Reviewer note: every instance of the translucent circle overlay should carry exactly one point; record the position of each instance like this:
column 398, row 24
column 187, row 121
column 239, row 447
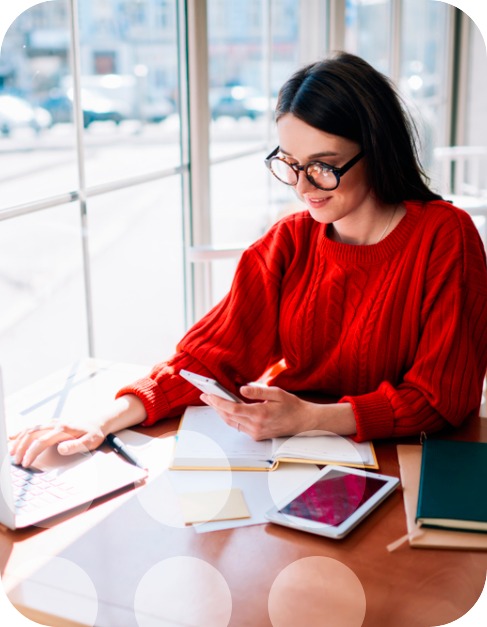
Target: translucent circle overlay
column 51, row 581
column 288, row 478
column 281, row 487
column 349, row 449
column 329, row 595
column 90, row 475
column 161, row 497
column 183, row 591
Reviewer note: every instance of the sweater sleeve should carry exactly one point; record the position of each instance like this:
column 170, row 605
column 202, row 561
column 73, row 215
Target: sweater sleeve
column 235, row 342
column 444, row 383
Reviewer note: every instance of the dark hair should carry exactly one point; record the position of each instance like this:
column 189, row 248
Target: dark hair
column 344, row 95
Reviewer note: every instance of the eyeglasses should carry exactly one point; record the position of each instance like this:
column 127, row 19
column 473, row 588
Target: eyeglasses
column 320, row 174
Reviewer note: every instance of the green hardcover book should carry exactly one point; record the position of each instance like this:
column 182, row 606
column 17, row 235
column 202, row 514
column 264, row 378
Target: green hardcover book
column 453, row 485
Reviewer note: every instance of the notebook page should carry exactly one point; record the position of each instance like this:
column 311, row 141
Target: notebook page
column 333, row 448
column 213, row 433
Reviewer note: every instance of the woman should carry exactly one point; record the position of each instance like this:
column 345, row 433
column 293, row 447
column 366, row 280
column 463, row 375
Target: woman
column 374, row 297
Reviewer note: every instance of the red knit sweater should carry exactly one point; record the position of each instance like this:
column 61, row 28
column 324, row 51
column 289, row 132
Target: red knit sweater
column 398, row 328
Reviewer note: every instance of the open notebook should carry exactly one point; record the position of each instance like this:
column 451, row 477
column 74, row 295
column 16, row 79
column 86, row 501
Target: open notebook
column 205, row 441
column 56, row 483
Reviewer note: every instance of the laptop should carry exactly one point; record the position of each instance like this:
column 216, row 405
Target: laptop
column 56, row 484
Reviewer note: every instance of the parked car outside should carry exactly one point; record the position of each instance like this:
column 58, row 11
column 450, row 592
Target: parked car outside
column 156, row 109
column 99, row 108
column 238, row 101
column 96, row 108
column 59, row 106
column 16, row 112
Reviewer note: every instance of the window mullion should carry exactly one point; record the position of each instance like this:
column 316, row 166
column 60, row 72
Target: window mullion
column 199, row 232
column 78, row 119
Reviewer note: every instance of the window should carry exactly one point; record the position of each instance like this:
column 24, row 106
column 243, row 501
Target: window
column 104, row 198
column 92, row 200
column 242, row 94
column 425, row 69
column 367, row 31
column 409, row 40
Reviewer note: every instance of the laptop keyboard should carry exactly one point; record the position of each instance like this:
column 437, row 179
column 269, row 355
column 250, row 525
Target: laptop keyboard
column 36, row 488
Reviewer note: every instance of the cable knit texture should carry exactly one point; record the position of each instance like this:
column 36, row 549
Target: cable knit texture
column 398, row 329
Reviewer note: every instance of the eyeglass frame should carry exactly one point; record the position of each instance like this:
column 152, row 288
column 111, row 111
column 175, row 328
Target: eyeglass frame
column 338, row 172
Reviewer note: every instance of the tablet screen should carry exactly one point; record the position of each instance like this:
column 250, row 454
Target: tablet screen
column 333, row 498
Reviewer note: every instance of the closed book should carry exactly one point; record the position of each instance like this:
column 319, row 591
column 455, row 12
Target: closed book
column 452, row 489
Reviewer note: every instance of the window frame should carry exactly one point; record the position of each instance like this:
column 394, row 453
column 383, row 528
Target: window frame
column 195, row 162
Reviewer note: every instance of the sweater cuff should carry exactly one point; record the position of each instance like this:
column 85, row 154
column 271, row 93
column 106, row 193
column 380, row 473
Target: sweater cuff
column 373, row 414
column 153, row 398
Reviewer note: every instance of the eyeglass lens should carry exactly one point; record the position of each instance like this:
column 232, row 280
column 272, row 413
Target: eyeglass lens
column 319, row 175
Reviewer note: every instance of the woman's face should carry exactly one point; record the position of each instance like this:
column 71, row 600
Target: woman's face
column 300, row 143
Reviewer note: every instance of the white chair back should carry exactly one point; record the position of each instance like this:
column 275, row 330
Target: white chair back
column 460, row 175
column 460, row 170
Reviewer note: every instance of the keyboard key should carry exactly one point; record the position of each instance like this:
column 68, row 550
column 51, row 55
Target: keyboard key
column 34, row 488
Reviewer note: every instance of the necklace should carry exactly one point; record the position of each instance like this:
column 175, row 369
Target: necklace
column 388, row 225
column 337, row 234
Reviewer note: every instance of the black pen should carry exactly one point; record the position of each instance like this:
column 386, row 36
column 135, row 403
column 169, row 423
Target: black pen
column 115, row 443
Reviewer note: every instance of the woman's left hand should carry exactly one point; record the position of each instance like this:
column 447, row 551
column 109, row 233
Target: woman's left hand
column 275, row 413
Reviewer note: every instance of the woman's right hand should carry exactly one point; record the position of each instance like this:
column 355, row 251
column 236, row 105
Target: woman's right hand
column 75, row 436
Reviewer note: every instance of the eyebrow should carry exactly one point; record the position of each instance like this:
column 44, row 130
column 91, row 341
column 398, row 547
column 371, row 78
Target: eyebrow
column 317, row 155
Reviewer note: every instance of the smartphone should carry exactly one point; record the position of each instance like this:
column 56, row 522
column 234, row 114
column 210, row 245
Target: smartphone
column 209, row 386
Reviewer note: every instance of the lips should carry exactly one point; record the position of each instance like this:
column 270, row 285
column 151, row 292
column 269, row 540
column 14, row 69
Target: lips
column 316, row 203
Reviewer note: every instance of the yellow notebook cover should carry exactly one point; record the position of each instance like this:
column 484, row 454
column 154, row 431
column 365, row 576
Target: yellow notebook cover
column 205, row 441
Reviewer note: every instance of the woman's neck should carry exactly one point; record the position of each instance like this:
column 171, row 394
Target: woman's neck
column 370, row 228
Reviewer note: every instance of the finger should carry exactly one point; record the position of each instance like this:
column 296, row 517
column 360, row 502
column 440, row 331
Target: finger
column 228, row 418
column 231, row 422
column 70, row 447
column 31, row 453
column 223, row 406
column 217, row 401
column 233, row 418
column 88, row 442
column 20, row 441
column 258, row 392
column 243, row 413
column 30, row 429
column 236, row 423
column 20, row 445
column 33, row 446
column 241, row 426
column 16, row 438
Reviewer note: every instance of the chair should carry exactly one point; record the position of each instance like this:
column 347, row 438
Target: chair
column 202, row 257
column 483, row 405
column 459, row 170
column 459, row 174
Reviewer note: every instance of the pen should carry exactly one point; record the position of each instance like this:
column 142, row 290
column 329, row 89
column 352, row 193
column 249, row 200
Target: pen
column 116, row 444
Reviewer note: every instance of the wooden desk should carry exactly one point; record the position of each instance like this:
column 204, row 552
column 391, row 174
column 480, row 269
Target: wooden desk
column 122, row 552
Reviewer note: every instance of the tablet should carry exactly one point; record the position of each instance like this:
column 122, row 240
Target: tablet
column 334, row 502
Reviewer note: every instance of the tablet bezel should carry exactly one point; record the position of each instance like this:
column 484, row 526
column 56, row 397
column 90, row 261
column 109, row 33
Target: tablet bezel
column 330, row 531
